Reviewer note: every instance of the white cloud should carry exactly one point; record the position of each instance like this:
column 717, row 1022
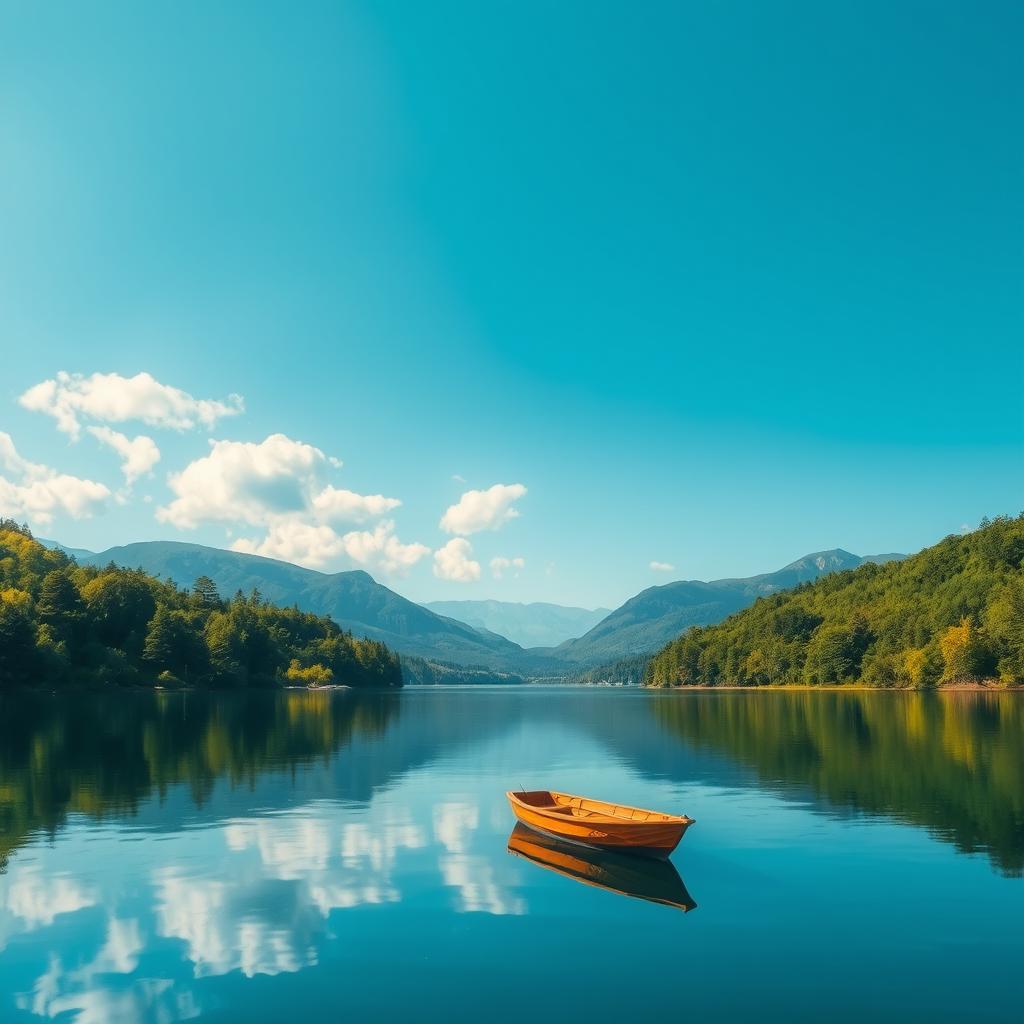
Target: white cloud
column 333, row 504
column 662, row 566
column 483, row 510
column 138, row 454
column 500, row 565
column 111, row 398
column 382, row 548
column 458, row 479
column 313, row 545
column 260, row 482
column 293, row 540
column 38, row 492
column 246, row 481
column 453, row 562
column 280, row 484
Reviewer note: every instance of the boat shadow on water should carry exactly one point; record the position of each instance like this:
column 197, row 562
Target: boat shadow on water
column 656, row 881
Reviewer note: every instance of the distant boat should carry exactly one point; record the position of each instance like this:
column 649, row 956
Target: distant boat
column 651, row 880
column 599, row 824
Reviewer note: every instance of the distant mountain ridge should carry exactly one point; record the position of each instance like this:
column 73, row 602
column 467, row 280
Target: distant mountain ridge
column 538, row 624
column 659, row 614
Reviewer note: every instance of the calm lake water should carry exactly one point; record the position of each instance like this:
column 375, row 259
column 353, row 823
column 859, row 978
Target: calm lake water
column 336, row 856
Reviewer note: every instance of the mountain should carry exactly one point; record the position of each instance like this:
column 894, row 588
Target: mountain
column 530, row 625
column 353, row 599
column 76, row 553
column 656, row 615
column 953, row 613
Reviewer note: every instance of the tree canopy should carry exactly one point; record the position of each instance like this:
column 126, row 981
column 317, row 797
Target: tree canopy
column 65, row 623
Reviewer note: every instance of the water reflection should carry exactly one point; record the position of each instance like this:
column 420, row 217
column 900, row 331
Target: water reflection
column 157, row 851
column 656, row 881
column 948, row 761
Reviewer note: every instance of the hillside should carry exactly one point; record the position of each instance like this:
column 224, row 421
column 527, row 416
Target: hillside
column 953, row 613
column 537, row 624
column 65, row 623
column 656, row 615
column 353, row 599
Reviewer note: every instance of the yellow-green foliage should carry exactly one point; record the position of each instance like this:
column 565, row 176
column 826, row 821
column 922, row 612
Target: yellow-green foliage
column 952, row 613
column 312, row 675
column 60, row 622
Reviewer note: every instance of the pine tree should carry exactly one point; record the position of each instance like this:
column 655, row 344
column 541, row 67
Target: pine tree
column 160, row 647
column 206, row 590
column 60, row 605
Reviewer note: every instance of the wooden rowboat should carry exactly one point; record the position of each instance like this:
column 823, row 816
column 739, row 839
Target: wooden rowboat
column 656, row 881
column 598, row 824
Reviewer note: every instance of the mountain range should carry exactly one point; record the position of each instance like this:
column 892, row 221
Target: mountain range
column 475, row 633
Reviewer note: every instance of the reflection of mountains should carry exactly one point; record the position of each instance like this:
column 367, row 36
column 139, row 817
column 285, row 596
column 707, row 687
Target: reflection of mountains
column 949, row 762
column 656, row 881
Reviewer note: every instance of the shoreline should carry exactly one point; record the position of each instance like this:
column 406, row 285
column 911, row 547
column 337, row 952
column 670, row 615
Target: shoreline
column 859, row 687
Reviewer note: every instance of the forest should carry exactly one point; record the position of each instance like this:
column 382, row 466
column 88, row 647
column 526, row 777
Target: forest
column 952, row 614
column 62, row 623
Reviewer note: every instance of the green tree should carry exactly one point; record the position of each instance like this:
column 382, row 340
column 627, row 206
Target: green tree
column 120, row 603
column 60, row 606
column 834, row 653
column 206, row 591
column 1004, row 622
column 17, row 638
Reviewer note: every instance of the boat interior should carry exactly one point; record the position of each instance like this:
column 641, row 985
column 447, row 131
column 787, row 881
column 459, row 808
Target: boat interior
column 550, row 802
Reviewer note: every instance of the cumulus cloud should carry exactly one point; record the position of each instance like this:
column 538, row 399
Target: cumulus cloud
column 280, row 484
column 37, row 492
column 312, row 545
column 382, row 548
column 483, row 510
column 110, row 398
column 453, row 562
column 246, row 481
column 293, row 540
column 500, row 565
column 335, row 504
column 662, row 566
column 138, row 454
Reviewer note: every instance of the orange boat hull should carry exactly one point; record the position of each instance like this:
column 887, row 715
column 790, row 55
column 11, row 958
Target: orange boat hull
column 600, row 825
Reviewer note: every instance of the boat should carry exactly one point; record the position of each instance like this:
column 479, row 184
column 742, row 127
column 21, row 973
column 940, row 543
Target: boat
column 599, row 824
column 656, row 881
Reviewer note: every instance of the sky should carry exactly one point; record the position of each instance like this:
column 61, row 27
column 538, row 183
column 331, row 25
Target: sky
column 522, row 301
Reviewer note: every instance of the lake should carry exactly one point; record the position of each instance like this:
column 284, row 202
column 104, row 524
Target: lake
column 326, row 856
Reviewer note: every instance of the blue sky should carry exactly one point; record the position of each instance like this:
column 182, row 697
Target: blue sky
column 716, row 284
